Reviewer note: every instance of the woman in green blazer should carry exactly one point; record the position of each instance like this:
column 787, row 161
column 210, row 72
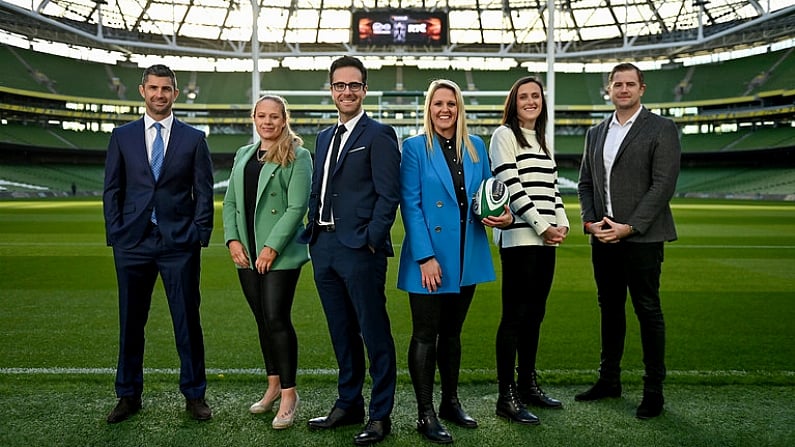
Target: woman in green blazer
column 264, row 209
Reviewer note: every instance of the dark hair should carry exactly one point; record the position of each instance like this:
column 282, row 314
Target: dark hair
column 160, row 71
column 510, row 117
column 347, row 61
column 626, row 66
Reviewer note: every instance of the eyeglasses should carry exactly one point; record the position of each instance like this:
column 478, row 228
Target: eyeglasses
column 352, row 86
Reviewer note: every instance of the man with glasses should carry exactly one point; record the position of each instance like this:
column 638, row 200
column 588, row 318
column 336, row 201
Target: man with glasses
column 352, row 206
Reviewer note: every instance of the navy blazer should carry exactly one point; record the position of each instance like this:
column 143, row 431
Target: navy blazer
column 642, row 179
column 365, row 186
column 183, row 194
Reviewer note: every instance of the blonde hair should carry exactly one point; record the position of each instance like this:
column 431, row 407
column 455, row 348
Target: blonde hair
column 461, row 132
column 283, row 150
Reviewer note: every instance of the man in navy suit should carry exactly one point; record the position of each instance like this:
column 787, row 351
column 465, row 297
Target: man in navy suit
column 158, row 205
column 627, row 179
column 352, row 205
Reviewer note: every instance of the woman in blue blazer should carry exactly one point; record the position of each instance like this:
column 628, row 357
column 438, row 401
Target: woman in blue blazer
column 264, row 209
column 445, row 252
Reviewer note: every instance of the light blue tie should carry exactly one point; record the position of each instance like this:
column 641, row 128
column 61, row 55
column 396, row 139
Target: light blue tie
column 158, row 149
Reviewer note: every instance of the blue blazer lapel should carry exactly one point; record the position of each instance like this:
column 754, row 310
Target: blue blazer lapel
column 135, row 143
column 439, row 165
column 322, row 145
column 357, row 131
column 177, row 128
column 469, row 172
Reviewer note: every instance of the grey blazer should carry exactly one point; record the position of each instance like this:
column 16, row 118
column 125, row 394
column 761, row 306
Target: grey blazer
column 642, row 180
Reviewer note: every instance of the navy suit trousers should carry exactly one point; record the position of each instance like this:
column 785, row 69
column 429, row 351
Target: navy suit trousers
column 137, row 271
column 351, row 284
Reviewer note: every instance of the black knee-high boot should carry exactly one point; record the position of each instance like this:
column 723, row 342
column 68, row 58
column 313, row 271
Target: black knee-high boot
column 449, row 360
column 422, row 367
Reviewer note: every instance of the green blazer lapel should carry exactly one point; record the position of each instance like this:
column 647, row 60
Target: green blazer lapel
column 266, row 174
column 244, row 155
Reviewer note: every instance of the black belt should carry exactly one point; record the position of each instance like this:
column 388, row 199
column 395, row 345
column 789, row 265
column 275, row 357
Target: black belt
column 328, row 228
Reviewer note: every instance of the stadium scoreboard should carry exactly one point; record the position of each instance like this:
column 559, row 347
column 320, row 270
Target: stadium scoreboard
column 399, row 27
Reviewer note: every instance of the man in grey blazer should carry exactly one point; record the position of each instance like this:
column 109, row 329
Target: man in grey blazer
column 627, row 178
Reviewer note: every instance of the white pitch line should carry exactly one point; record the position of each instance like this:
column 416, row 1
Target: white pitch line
column 333, row 372
column 583, row 244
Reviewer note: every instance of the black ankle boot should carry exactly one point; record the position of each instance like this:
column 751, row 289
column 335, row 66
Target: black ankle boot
column 451, row 410
column 651, row 406
column 532, row 394
column 431, row 429
column 510, row 407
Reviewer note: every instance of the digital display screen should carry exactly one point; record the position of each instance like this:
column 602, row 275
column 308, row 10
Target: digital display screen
column 399, row 28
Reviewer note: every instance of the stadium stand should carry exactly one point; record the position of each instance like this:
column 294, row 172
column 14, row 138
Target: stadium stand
column 17, row 72
column 728, row 79
column 755, row 94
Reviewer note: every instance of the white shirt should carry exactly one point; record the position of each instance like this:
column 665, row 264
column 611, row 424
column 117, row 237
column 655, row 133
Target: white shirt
column 615, row 136
column 151, row 133
column 351, row 124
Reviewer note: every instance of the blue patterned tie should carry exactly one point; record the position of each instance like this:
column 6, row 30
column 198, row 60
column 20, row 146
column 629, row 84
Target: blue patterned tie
column 158, row 149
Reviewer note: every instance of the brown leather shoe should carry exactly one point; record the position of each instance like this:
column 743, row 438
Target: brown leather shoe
column 199, row 409
column 126, row 407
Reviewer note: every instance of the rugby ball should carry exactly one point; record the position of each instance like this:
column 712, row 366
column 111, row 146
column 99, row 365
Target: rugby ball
column 490, row 198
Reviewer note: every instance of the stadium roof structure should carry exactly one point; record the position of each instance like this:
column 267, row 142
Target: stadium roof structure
column 511, row 30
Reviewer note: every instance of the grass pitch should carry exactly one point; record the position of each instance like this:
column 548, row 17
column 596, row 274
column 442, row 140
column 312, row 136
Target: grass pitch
column 728, row 291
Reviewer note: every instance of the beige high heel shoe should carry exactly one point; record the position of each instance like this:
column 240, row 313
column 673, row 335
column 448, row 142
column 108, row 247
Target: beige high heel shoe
column 288, row 420
column 259, row 407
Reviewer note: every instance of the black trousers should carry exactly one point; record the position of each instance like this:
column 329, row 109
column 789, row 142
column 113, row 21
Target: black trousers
column 270, row 297
column 527, row 273
column 635, row 267
column 437, row 320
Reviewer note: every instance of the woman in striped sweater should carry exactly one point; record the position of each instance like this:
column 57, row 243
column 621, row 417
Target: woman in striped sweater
column 522, row 160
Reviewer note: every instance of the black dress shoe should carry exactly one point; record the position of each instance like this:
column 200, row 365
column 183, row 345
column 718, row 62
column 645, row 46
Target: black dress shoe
column 337, row 418
column 126, row 407
column 511, row 407
column 374, row 431
column 450, row 410
column 431, row 429
column 198, row 409
column 600, row 390
column 651, row 406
